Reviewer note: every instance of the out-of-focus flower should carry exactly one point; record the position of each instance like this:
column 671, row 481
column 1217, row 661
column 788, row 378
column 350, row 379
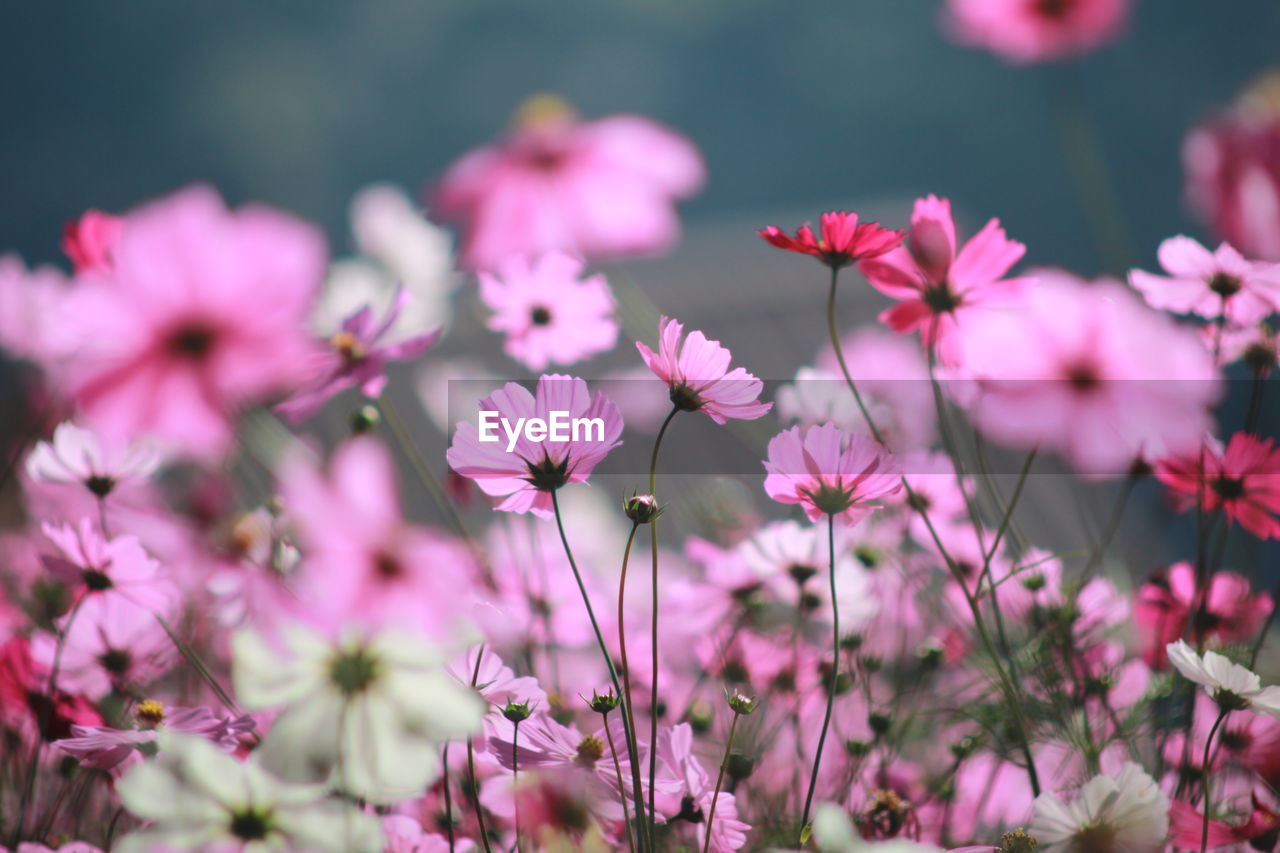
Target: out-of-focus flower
column 106, row 749
column 1213, row 284
column 95, row 565
column 357, row 355
column 1187, row 826
column 1230, row 685
column 697, row 373
column 1242, row 479
column 548, row 314
column 937, row 287
column 1257, row 346
column 843, row 241
column 198, row 798
column 829, row 472
column 201, row 314
column 405, row 835
column 1232, row 168
column 414, row 253
column 361, row 561
column 26, row 707
column 692, row 799
column 526, row 470
column 366, row 712
column 90, row 241
column 1090, row 372
column 78, row 455
column 1025, row 31
column 1126, row 813
column 1168, row 600
column 31, row 307
column 603, row 188
column 834, row 832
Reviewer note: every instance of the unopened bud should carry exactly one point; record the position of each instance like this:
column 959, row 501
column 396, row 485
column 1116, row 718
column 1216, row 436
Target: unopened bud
column 641, row 509
column 603, row 703
column 879, row 723
column 517, row 712
column 857, row 748
column 739, row 703
column 365, row 419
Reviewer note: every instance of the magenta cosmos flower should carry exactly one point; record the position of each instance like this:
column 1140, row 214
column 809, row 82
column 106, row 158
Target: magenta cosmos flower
column 1025, row 31
column 1213, row 284
column 1242, row 479
column 1088, row 371
column 526, row 446
column 937, row 286
column 90, row 240
column 698, row 375
column 603, row 188
column 548, row 313
column 829, row 472
column 1168, row 603
column 843, row 241
column 201, row 314
column 1232, row 168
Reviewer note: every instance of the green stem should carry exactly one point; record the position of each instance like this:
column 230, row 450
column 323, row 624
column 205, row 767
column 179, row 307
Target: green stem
column 1204, row 777
column 628, row 712
column 835, row 667
column 653, row 689
column 711, row 814
column 471, row 765
column 604, row 650
column 622, row 791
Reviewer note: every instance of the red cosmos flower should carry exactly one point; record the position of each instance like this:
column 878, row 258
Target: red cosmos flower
column 1243, row 480
column 844, row 240
column 1187, row 825
column 1169, row 599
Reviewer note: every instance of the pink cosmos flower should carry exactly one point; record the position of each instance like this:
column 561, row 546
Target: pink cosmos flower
column 1232, row 168
column 937, row 287
column 829, row 472
column 527, row 473
column 1213, row 284
column 1257, row 346
column 603, row 188
column 201, row 314
column 357, row 355
column 1025, row 31
column 1186, row 826
column 69, row 847
column 548, row 314
column 1088, row 371
column 25, row 705
column 1169, row 599
column 80, row 456
column 95, row 565
column 691, row 801
column 107, row 749
column 843, row 239
column 31, row 305
column 90, row 241
column 698, row 375
column 1242, row 479
column 403, row 834
column 362, row 563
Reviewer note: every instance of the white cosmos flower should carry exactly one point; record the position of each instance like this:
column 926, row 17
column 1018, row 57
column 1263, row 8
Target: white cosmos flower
column 833, row 832
column 76, row 455
column 367, row 713
column 1124, row 813
column 199, row 798
column 1232, row 686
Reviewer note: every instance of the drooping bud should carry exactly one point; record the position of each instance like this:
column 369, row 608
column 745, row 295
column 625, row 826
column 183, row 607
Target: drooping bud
column 641, row 509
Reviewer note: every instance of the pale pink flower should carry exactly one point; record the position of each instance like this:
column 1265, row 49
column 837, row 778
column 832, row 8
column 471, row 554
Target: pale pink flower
column 548, row 313
column 362, row 562
column 200, row 315
column 1258, row 347
column 829, row 472
column 31, row 305
column 107, row 749
column 1088, row 371
column 603, row 188
column 96, row 565
column 697, row 372
column 691, row 801
column 937, row 286
column 1213, row 284
column 403, row 834
column 80, row 456
column 526, row 475
column 111, row 643
column 1024, row 31
column 357, row 355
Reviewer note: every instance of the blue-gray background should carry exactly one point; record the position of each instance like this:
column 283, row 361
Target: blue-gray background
column 300, row 103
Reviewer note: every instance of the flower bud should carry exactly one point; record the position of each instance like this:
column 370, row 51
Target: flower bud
column 365, row 419
column 740, row 704
column 517, row 712
column 603, row 703
column 879, row 723
column 641, row 509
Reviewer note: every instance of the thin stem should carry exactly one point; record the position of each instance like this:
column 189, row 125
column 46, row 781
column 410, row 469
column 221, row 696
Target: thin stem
column 448, row 798
column 1254, row 414
column 1204, row 777
column 844, row 368
column 627, row 708
column 653, row 628
column 515, row 777
column 608, row 660
column 471, row 765
column 622, row 791
column 835, row 666
column 711, row 814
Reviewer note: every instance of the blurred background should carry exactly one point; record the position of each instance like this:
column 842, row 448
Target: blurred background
column 796, row 107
